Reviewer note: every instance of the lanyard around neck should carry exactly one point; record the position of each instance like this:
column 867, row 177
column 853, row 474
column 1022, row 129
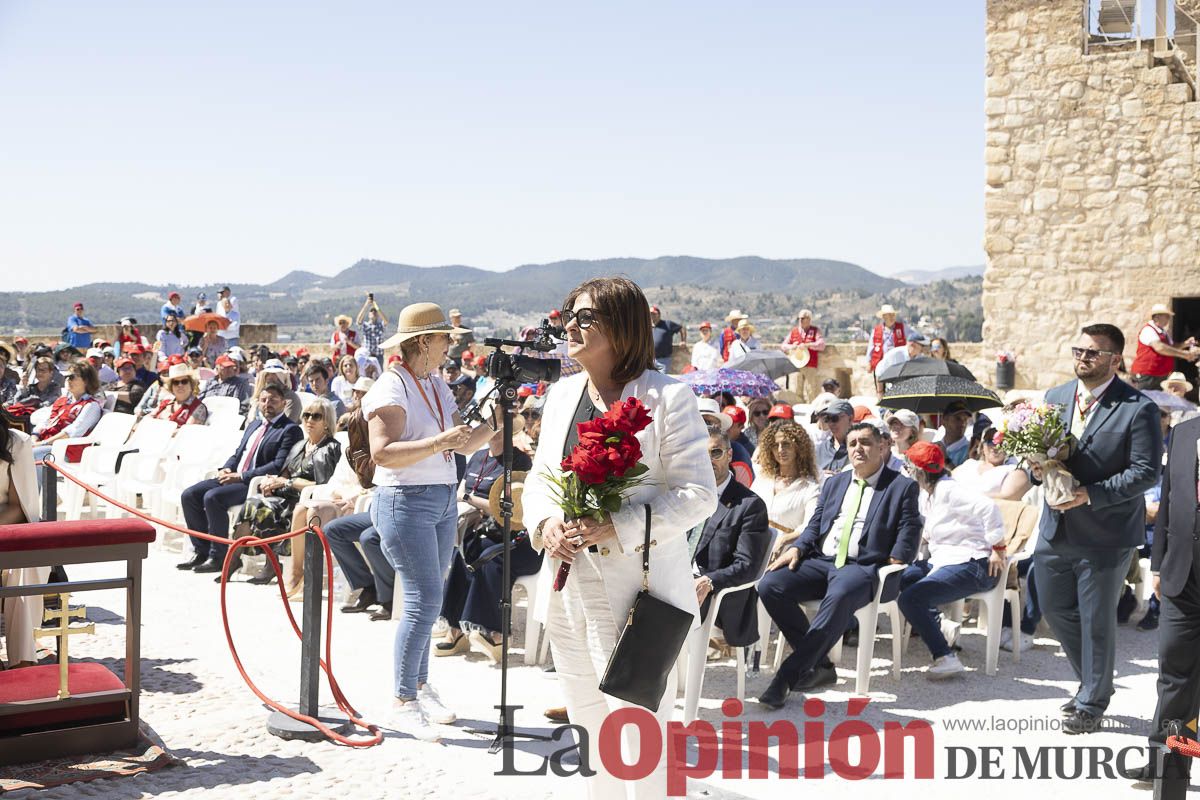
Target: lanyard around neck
column 441, row 423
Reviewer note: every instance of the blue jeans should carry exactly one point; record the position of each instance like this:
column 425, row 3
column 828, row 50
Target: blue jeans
column 922, row 591
column 417, row 526
column 342, row 533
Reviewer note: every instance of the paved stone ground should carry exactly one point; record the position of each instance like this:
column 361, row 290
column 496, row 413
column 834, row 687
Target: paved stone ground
column 195, row 700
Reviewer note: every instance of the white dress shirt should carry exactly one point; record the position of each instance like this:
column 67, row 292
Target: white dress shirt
column 961, row 524
column 705, row 356
column 830, row 546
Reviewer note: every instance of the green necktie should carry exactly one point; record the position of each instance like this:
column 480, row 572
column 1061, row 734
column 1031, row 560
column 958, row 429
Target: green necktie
column 693, row 540
column 848, row 525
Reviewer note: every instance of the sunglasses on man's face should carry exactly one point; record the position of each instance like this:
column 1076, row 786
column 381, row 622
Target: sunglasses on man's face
column 715, row 453
column 1088, row 354
column 761, row 413
column 584, row 317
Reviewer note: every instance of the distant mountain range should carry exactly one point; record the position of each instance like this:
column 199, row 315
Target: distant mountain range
column 922, row 276
column 688, row 288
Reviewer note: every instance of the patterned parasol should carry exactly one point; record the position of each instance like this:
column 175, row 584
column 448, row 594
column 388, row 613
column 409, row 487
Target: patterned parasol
column 736, row 382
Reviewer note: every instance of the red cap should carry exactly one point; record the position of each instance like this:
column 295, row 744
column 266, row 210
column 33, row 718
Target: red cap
column 654, row 310
column 20, row 340
column 284, row 353
column 123, row 362
column 706, row 324
column 927, row 456
column 735, row 413
column 467, row 357
column 861, row 413
column 781, row 411
column 481, row 361
column 226, row 361
column 554, row 313
column 394, row 358
column 175, row 359
column 174, row 294
column 303, row 351
column 79, row 305
column 132, row 350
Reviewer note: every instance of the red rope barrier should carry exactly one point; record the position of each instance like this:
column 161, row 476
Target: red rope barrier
column 251, row 541
column 1184, row 746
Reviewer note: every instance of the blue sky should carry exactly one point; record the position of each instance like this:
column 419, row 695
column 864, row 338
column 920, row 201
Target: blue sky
column 239, row 140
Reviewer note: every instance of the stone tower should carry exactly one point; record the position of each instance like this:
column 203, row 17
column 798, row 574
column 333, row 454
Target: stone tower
column 1093, row 183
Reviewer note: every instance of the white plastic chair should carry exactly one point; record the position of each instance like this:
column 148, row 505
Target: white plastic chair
column 98, row 467
column 697, row 643
column 533, row 628
column 220, row 405
column 111, row 431
column 868, row 623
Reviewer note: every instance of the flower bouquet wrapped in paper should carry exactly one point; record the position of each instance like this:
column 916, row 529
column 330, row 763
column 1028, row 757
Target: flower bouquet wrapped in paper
column 600, row 471
column 1035, row 433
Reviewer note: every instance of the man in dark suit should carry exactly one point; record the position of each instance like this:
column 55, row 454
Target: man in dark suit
column 730, row 549
column 1086, row 544
column 865, row 518
column 1175, row 563
column 263, row 450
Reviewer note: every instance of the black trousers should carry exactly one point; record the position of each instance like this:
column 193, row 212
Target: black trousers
column 1178, row 660
column 841, row 592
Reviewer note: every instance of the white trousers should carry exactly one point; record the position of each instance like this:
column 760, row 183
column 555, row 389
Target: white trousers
column 582, row 636
column 22, row 615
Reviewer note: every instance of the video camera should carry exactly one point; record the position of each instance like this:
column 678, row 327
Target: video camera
column 510, row 370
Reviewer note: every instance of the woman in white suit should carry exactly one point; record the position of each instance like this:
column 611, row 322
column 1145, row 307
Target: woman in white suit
column 19, row 503
column 608, row 333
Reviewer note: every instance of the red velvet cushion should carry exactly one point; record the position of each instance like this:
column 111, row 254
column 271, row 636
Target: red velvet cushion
column 76, row 533
column 41, row 683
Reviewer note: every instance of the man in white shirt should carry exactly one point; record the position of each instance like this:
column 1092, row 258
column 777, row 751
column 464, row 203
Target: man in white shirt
column 866, row 517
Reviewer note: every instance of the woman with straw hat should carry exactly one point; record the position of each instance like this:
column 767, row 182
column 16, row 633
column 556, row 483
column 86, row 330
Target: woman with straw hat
column 182, row 404
column 414, row 430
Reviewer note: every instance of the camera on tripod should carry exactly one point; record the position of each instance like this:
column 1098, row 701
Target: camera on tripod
column 510, row 370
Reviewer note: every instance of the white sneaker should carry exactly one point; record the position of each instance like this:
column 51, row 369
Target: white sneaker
column 1006, row 641
column 946, row 666
column 410, row 718
column 431, row 704
column 950, row 630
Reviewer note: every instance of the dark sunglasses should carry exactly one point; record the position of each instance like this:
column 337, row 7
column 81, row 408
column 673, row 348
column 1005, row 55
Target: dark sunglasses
column 716, row 453
column 584, row 317
column 1088, row 354
column 181, row 382
column 312, row 415
column 762, row 413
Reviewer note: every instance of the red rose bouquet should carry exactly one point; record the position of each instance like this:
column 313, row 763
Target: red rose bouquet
column 599, row 471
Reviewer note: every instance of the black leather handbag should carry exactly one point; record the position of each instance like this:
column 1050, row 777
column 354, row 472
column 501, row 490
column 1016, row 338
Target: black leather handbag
column 648, row 646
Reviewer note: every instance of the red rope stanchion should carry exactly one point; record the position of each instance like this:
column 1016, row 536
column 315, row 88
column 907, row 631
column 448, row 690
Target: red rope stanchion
column 326, row 663
column 1184, row 746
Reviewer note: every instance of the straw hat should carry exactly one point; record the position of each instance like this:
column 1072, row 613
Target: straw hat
column 419, row 319
column 176, row 371
column 1161, row 308
column 496, row 494
column 1178, row 377
column 745, row 325
column 363, row 384
column 885, row 309
column 734, row 316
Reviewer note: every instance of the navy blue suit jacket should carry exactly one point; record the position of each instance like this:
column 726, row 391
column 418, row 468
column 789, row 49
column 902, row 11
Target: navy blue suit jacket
column 1118, row 458
column 272, row 453
column 893, row 525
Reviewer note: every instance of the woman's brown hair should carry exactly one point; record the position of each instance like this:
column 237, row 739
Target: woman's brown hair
column 623, row 314
column 784, row 431
column 86, row 373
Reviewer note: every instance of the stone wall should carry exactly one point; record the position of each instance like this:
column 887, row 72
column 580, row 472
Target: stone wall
column 1092, row 199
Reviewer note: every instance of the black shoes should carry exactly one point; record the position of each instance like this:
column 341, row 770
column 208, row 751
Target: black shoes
column 815, row 678
column 1150, row 621
column 1068, row 708
column 851, row 638
column 209, row 565
column 264, row 576
column 384, row 613
column 1080, row 721
column 776, row 694
column 193, row 562
column 1126, row 605
column 366, row 598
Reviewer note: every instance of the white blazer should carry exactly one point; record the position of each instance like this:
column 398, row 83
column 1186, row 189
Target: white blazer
column 679, row 487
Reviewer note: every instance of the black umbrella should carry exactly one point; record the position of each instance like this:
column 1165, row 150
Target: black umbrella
column 924, row 365
column 931, row 394
column 771, row 363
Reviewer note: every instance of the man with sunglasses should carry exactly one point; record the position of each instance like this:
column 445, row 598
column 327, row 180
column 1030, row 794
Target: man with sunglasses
column 729, row 548
column 1085, row 545
column 834, row 423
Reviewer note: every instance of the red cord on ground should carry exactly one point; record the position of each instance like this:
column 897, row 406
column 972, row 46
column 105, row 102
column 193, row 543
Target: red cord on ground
column 251, row 541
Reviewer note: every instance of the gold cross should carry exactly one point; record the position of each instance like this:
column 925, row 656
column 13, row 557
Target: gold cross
column 64, row 615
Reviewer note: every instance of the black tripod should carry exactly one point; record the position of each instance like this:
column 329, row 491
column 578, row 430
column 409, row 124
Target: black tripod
column 506, row 395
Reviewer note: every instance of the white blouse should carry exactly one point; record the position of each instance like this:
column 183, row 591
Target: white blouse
column 397, row 388
column 791, row 506
column 961, row 524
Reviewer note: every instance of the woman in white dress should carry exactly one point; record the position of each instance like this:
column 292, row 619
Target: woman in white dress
column 19, row 503
column 607, row 325
column 788, row 480
column 993, row 474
